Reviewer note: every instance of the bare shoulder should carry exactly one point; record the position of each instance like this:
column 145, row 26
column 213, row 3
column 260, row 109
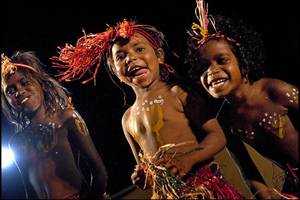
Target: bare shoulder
column 69, row 115
column 180, row 93
column 125, row 118
column 280, row 91
column 268, row 84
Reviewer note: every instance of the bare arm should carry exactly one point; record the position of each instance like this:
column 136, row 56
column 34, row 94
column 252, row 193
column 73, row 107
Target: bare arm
column 133, row 145
column 212, row 139
column 199, row 113
column 79, row 131
column 213, row 142
column 284, row 93
column 138, row 175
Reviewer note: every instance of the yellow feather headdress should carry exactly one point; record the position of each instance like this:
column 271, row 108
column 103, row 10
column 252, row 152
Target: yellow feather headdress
column 8, row 67
column 200, row 30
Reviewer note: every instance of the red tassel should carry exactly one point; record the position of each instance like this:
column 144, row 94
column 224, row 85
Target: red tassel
column 212, row 181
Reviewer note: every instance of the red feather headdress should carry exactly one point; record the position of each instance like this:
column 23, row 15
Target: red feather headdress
column 88, row 53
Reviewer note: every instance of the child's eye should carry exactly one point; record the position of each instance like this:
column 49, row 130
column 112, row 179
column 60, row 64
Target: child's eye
column 140, row 49
column 10, row 91
column 25, row 82
column 120, row 56
column 223, row 60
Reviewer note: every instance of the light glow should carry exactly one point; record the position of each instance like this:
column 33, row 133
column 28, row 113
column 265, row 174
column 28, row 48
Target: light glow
column 7, row 157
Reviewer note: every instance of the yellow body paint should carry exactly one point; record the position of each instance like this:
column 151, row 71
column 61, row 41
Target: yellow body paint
column 156, row 125
column 281, row 126
column 81, row 127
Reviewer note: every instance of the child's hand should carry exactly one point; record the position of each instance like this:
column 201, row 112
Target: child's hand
column 138, row 177
column 262, row 191
column 179, row 165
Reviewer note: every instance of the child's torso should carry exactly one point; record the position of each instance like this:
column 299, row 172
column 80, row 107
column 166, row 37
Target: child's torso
column 49, row 159
column 266, row 126
column 157, row 120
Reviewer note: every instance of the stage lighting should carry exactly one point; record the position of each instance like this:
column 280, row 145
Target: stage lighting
column 7, row 157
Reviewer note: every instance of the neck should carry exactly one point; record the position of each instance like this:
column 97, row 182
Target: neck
column 156, row 87
column 39, row 115
column 241, row 94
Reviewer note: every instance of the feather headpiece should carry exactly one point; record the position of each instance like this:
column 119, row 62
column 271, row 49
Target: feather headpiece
column 90, row 49
column 200, row 31
column 8, row 67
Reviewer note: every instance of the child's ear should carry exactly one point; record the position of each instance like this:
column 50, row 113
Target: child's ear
column 161, row 56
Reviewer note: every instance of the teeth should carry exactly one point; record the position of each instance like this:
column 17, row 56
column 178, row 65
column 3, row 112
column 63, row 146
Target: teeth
column 218, row 82
column 133, row 69
column 24, row 100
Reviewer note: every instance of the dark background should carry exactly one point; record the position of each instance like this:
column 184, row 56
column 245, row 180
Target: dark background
column 44, row 25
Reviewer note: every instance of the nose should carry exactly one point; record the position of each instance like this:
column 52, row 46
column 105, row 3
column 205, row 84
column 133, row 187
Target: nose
column 129, row 58
column 20, row 92
column 213, row 69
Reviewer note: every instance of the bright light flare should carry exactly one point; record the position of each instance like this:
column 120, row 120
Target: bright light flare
column 7, row 157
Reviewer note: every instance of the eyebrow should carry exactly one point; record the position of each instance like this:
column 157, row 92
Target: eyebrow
column 133, row 45
column 221, row 54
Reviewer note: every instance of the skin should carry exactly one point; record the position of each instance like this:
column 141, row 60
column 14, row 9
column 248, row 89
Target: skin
column 147, row 85
column 52, row 172
column 252, row 104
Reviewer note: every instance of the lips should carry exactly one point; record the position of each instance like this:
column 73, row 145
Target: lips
column 23, row 100
column 136, row 71
column 217, row 82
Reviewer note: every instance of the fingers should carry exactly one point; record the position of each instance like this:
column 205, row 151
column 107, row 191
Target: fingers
column 135, row 180
column 174, row 170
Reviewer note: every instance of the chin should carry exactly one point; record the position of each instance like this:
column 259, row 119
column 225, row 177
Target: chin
column 217, row 95
column 31, row 109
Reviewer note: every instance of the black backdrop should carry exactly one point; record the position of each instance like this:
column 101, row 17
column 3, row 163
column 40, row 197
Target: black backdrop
column 44, row 25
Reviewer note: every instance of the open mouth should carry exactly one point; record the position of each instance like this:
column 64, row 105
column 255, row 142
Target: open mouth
column 24, row 100
column 217, row 82
column 136, row 71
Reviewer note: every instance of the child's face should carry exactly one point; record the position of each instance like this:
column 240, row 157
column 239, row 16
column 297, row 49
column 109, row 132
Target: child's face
column 137, row 63
column 222, row 75
column 22, row 93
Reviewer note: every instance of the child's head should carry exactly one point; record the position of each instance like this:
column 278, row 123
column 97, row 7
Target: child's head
column 25, row 87
column 239, row 40
column 135, row 53
column 135, row 61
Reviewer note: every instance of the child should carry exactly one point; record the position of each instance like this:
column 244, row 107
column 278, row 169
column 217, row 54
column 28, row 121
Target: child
column 162, row 121
column 224, row 59
column 48, row 130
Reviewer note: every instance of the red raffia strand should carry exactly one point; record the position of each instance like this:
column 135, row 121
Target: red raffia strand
column 205, row 184
column 205, row 177
column 81, row 58
column 284, row 195
column 90, row 50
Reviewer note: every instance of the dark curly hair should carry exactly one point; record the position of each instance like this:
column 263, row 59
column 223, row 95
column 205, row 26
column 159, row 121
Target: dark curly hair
column 250, row 52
